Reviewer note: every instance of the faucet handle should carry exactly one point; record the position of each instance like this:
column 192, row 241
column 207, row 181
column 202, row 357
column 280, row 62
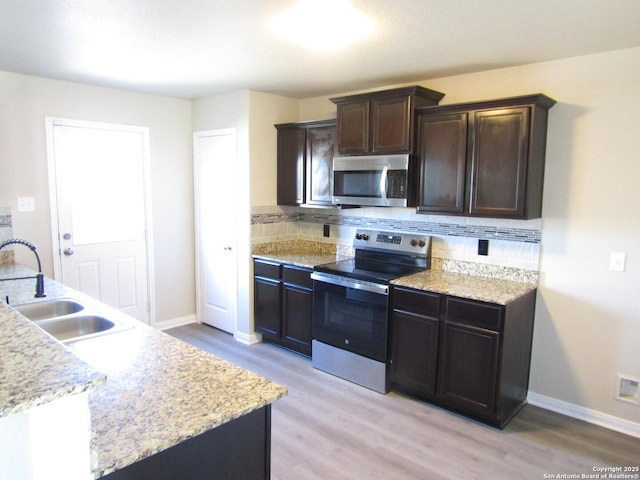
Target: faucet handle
column 39, row 286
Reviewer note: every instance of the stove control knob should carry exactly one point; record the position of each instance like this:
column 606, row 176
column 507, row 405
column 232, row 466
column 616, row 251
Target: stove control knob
column 421, row 243
column 365, row 237
column 358, row 236
column 413, row 242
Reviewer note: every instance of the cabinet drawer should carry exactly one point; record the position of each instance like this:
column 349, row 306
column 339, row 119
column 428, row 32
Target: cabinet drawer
column 297, row 275
column 474, row 313
column 266, row 269
column 423, row 303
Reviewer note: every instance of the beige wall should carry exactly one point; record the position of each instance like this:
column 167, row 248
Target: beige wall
column 25, row 101
column 265, row 112
column 253, row 115
column 587, row 317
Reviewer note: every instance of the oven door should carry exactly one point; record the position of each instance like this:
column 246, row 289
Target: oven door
column 353, row 318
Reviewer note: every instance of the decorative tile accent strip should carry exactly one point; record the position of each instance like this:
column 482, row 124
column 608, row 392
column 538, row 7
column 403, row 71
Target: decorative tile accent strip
column 263, row 218
column 474, row 231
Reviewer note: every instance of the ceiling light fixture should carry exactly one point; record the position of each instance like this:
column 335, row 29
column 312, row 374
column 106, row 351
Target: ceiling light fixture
column 322, row 25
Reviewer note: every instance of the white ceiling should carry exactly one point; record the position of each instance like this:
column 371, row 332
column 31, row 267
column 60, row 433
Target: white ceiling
column 197, row 48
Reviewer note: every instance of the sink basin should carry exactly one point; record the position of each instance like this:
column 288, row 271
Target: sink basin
column 74, row 326
column 67, row 320
column 45, row 309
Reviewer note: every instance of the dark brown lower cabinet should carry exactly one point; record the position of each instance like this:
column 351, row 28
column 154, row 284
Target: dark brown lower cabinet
column 414, row 341
column 469, row 367
column 238, row 450
column 468, row 356
column 283, row 300
column 268, row 311
column 297, row 304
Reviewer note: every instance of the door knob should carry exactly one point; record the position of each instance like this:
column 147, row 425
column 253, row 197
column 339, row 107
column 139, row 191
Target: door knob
column 68, row 252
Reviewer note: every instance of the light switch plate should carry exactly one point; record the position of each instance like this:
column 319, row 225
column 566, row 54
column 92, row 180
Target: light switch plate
column 26, row 204
column 617, row 261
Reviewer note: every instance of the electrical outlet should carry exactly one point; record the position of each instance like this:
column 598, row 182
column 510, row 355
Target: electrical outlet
column 483, row 247
column 617, row 261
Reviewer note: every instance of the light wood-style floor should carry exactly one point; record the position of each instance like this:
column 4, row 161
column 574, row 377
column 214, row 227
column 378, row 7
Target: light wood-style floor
column 328, row 428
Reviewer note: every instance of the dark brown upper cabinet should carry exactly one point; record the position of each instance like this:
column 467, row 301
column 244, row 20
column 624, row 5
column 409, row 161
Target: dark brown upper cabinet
column 305, row 162
column 380, row 122
column 483, row 159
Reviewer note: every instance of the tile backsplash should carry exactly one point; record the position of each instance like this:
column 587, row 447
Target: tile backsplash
column 6, row 232
column 513, row 244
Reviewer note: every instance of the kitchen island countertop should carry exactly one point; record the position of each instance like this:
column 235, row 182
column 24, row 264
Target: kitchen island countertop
column 35, row 369
column 159, row 391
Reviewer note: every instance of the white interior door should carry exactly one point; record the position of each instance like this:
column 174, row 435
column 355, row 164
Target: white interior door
column 97, row 184
column 215, row 164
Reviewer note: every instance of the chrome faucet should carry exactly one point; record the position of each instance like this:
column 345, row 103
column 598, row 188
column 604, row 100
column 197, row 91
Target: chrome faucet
column 39, row 277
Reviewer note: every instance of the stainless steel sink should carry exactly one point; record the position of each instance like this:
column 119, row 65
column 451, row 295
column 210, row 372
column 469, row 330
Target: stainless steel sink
column 45, row 309
column 74, row 326
column 67, row 320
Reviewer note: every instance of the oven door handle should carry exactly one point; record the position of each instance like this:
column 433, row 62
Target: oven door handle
column 349, row 283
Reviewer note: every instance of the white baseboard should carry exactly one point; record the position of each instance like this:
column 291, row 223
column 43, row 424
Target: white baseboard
column 175, row 322
column 581, row 413
column 248, row 339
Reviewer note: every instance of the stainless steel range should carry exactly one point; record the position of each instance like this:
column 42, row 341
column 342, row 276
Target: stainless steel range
column 350, row 305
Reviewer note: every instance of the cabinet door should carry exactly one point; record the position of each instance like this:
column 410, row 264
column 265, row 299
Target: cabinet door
column 443, row 157
column 391, row 123
column 353, row 127
column 320, row 149
column 297, row 308
column 499, row 162
column 414, row 352
column 469, row 368
column 291, row 166
column 267, row 305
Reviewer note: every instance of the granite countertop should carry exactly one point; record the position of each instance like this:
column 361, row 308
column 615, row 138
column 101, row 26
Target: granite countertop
column 466, row 285
column 35, row 369
column 301, row 253
column 301, row 259
column 159, row 391
column 484, row 289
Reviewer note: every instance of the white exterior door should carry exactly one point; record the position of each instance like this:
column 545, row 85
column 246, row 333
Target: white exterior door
column 99, row 219
column 215, row 163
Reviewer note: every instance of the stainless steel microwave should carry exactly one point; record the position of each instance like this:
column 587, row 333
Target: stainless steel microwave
column 373, row 180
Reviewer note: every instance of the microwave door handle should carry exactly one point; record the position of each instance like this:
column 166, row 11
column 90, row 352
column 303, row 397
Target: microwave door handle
column 383, row 183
